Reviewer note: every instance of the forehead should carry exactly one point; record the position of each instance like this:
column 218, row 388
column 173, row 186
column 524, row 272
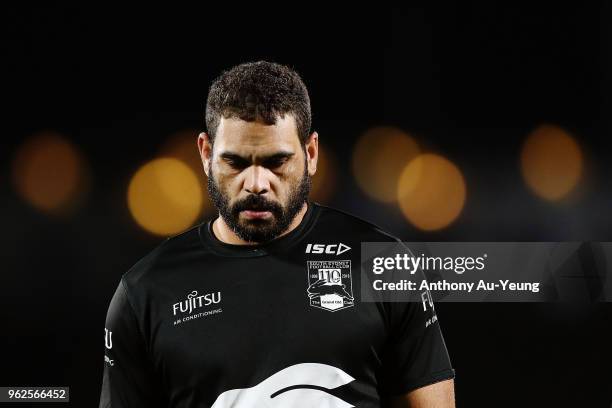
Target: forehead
column 256, row 137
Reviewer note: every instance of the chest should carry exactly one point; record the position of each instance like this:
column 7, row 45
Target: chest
column 236, row 325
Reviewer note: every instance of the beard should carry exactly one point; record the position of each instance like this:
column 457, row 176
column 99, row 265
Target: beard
column 259, row 230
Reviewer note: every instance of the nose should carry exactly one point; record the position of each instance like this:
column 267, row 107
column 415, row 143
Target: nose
column 256, row 180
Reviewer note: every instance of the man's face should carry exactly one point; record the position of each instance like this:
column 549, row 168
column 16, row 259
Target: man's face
column 258, row 176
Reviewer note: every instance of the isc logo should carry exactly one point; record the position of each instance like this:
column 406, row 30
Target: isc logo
column 333, row 249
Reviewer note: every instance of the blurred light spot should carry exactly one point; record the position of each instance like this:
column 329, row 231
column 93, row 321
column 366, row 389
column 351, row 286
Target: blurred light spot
column 183, row 145
column 49, row 172
column 165, row 196
column 431, row 192
column 324, row 180
column 551, row 162
column 379, row 157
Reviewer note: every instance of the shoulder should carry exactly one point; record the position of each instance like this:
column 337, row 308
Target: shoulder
column 159, row 261
column 336, row 221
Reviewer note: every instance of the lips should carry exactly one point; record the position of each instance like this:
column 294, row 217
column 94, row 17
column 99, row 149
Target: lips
column 256, row 214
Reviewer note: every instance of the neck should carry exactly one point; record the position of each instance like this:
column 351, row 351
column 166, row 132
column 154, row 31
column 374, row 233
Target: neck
column 224, row 233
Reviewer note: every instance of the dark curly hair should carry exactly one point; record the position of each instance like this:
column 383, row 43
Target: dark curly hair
column 259, row 90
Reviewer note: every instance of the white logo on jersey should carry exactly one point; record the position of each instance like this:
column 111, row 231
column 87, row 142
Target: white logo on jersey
column 293, row 387
column 332, row 249
column 330, row 285
column 194, row 302
column 427, row 300
column 108, row 338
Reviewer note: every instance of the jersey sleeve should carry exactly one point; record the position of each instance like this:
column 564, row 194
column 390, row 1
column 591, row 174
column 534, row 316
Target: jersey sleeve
column 128, row 378
column 416, row 354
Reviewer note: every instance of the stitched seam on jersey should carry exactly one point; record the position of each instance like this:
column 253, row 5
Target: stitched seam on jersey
column 160, row 381
column 363, row 220
column 144, row 339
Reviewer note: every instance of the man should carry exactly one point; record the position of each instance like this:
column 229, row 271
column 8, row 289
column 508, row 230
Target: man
column 259, row 307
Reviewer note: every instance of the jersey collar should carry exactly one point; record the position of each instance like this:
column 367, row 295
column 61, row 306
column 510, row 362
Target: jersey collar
column 281, row 243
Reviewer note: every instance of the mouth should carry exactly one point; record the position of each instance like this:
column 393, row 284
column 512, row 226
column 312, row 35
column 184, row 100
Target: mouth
column 256, row 214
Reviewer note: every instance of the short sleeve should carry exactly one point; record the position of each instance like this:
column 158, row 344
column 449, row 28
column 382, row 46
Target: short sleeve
column 128, row 379
column 415, row 354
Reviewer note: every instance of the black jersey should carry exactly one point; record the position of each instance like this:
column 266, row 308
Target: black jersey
column 201, row 323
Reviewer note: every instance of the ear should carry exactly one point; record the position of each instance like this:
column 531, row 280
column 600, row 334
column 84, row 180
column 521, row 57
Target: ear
column 205, row 149
column 312, row 153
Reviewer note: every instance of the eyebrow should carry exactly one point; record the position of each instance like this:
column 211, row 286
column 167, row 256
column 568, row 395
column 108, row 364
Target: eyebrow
column 262, row 159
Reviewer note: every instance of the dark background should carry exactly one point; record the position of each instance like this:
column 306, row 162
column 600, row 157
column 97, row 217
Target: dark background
column 470, row 81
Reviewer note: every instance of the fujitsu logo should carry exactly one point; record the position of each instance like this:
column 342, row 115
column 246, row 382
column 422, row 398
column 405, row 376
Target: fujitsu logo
column 332, row 249
column 194, row 301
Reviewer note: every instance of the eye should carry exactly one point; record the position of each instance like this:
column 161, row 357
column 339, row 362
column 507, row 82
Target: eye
column 236, row 163
column 275, row 162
